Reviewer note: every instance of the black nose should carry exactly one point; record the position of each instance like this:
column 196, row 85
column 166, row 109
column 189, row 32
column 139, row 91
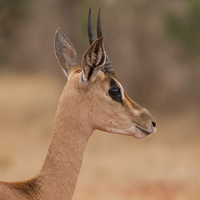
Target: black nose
column 154, row 124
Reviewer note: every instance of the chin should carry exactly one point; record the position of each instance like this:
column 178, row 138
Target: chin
column 134, row 132
column 140, row 134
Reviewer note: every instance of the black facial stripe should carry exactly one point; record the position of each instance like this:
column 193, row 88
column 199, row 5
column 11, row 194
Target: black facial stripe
column 114, row 87
column 112, row 83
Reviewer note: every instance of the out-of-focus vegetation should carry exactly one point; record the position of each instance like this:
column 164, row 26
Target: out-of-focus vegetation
column 184, row 27
column 12, row 15
column 145, row 41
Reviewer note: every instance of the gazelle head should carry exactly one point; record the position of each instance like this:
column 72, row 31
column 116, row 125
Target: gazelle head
column 101, row 97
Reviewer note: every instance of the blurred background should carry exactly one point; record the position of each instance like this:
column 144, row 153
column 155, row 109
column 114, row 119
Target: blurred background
column 154, row 48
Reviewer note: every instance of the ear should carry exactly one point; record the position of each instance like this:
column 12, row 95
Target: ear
column 93, row 59
column 65, row 52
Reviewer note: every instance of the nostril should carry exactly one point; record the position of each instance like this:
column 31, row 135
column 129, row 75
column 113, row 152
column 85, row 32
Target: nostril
column 154, row 124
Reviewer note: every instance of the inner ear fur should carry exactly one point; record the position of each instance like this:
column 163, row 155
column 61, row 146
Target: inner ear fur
column 93, row 59
column 65, row 52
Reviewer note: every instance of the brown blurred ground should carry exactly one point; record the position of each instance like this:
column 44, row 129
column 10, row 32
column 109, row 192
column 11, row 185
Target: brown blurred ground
column 163, row 166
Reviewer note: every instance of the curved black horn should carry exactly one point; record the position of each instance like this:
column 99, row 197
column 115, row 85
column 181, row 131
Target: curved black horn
column 90, row 32
column 99, row 31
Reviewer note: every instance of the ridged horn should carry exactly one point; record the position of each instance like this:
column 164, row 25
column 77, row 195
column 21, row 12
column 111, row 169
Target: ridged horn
column 90, row 32
column 99, row 31
column 107, row 66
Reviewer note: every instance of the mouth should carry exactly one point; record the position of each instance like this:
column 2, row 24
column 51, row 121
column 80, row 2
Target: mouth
column 141, row 132
column 144, row 131
column 136, row 131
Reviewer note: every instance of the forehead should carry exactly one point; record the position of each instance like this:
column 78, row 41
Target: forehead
column 107, row 79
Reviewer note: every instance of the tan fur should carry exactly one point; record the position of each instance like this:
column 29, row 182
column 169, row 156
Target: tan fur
column 85, row 105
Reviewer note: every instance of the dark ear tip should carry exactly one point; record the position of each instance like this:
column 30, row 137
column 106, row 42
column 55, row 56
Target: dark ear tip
column 61, row 37
column 59, row 31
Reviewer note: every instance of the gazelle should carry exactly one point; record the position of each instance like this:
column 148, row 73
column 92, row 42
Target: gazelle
column 92, row 99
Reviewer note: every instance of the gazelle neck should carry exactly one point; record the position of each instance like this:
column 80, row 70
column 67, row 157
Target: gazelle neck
column 59, row 173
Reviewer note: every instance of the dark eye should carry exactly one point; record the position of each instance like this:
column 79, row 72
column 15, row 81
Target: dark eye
column 114, row 92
